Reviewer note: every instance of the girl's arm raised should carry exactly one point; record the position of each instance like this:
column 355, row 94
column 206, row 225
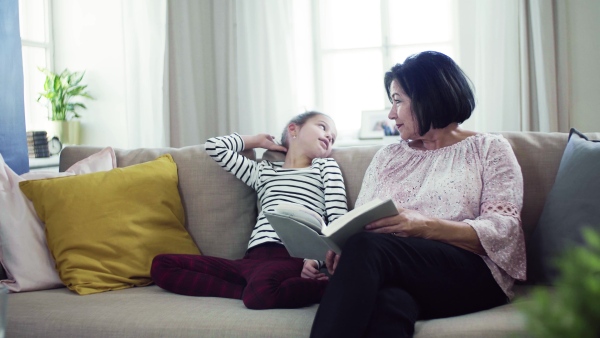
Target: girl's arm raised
column 224, row 150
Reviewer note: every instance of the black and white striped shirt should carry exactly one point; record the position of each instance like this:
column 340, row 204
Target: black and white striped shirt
column 319, row 187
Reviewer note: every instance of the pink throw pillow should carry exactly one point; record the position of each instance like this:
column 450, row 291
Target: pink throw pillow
column 24, row 253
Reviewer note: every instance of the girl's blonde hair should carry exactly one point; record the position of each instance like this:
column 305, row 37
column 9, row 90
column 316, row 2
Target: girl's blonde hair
column 298, row 120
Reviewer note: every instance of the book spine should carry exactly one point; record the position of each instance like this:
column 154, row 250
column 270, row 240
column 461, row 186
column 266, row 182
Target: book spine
column 37, row 142
column 37, row 133
column 39, row 154
column 38, row 150
column 37, row 137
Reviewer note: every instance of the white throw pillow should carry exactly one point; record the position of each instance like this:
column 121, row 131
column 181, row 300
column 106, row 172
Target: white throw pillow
column 24, row 253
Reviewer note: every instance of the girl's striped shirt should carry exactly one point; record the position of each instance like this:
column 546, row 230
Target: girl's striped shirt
column 319, row 187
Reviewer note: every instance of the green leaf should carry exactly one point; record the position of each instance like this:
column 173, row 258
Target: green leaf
column 572, row 308
column 60, row 89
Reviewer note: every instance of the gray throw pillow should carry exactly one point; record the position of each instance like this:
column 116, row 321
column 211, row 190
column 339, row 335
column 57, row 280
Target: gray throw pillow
column 572, row 204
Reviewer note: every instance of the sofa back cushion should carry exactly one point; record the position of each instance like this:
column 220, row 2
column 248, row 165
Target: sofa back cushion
column 103, row 229
column 571, row 205
column 353, row 162
column 539, row 156
column 220, row 210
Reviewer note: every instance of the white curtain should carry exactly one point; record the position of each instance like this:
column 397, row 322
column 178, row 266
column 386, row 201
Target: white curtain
column 515, row 68
column 144, row 26
column 229, row 66
column 266, row 78
column 548, row 66
column 202, row 70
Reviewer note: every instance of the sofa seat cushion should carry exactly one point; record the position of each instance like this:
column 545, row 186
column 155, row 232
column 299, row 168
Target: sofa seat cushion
column 153, row 312
column 103, row 229
column 148, row 312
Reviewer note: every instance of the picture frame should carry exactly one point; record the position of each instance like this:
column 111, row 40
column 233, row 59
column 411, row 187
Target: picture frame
column 374, row 123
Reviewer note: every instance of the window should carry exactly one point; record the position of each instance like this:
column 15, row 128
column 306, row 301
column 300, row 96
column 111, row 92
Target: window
column 356, row 41
column 36, row 41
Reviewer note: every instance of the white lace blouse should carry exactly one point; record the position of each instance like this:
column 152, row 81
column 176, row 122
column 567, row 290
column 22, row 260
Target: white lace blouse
column 477, row 181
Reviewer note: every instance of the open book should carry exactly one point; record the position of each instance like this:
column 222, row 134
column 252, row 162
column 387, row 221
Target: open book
column 305, row 235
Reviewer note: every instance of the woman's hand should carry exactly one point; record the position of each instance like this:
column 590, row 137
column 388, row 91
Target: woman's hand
column 310, row 271
column 331, row 261
column 265, row 141
column 408, row 223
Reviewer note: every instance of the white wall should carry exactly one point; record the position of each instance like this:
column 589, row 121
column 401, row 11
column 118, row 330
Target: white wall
column 583, row 22
column 88, row 36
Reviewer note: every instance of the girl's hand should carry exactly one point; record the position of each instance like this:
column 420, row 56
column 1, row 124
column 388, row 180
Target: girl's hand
column 268, row 142
column 408, row 223
column 265, row 141
column 310, row 271
column 331, row 261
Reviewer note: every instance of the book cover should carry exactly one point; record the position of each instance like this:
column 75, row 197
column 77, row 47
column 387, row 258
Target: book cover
column 37, row 133
column 37, row 141
column 38, row 155
column 305, row 235
column 38, row 147
column 38, row 150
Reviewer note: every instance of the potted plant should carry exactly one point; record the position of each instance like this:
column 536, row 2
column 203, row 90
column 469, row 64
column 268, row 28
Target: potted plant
column 59, row 90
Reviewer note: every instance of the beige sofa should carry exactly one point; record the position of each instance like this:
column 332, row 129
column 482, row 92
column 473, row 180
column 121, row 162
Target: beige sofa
column 220, row 212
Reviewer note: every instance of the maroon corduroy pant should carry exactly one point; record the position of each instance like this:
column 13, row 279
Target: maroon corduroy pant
column 267, row 277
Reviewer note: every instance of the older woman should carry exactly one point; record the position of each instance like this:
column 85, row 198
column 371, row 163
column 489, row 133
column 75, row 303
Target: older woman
column 456, row 245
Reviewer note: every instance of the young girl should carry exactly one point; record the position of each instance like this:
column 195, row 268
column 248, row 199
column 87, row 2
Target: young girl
column 267, row 277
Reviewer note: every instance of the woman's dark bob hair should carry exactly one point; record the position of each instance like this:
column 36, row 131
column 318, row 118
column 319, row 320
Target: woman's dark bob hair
column 440, row 91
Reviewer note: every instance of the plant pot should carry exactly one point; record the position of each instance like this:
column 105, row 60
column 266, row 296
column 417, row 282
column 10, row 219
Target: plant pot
column 66, row 131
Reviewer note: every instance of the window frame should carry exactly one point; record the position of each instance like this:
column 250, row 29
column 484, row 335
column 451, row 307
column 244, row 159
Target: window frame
column 386, row 48
column 31, row 120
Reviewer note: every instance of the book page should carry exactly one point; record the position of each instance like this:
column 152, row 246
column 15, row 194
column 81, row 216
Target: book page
column 301, row 214
column 299, row 239
column 343, row 220
column 299, row 228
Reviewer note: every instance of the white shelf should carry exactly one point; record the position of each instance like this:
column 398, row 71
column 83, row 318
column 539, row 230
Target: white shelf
column 44, row 162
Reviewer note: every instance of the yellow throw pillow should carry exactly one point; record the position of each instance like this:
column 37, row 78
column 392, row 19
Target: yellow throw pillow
column 103, row 229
